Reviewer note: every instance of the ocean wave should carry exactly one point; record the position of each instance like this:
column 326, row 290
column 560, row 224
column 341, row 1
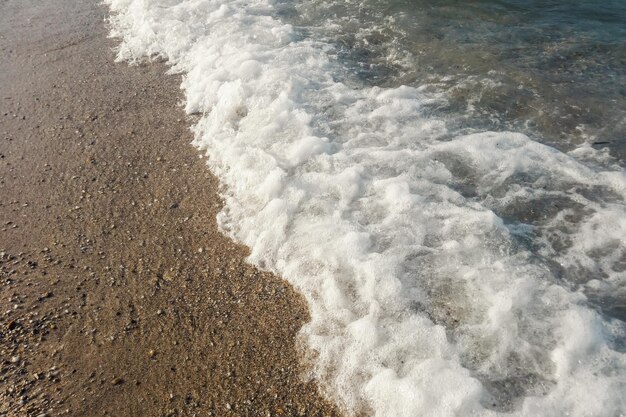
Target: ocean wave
column 445, row 274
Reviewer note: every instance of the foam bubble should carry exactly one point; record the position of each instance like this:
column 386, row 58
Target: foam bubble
column 445, row 275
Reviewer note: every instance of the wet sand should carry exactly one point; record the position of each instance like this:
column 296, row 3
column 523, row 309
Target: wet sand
column 119, row 296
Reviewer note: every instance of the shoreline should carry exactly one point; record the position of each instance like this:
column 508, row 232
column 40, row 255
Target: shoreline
column 119, row 294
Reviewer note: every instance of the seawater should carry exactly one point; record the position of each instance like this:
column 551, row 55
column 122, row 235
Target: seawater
column 442, row 180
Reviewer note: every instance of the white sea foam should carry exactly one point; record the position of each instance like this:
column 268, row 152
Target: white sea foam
column 424, row 298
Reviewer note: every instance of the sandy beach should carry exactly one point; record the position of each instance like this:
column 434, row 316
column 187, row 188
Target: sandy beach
column 119, row 295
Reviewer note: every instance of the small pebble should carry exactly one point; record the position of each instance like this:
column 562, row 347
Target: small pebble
column 117, row 381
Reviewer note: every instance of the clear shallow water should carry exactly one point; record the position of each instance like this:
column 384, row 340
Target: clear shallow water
column 391, row 161
column 555, row 70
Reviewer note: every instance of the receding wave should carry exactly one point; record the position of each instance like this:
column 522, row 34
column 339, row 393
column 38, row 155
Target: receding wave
column 448, row 271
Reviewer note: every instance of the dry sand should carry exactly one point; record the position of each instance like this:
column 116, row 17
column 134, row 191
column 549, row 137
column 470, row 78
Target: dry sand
column 118, row 294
